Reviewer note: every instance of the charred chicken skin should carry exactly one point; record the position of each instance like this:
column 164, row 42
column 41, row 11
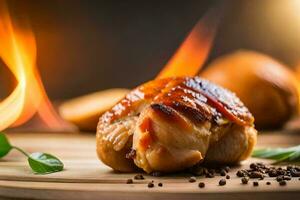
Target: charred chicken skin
column 171, row 124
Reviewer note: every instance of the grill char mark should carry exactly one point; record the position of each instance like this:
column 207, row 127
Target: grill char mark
column 223, row 100
column 170, row 114
column 198, row 99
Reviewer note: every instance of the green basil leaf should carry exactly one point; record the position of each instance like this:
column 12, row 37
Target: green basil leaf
column 5, row 146
column 43, row 163
column 290, row 154
column 295, row 156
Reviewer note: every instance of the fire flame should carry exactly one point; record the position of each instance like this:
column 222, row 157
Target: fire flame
column 193, row 52
column 18, row 52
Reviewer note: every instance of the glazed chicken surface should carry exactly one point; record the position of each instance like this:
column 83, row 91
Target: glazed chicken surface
column 171, row 124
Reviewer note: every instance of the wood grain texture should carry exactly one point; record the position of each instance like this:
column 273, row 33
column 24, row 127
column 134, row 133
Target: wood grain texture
column 85, row 177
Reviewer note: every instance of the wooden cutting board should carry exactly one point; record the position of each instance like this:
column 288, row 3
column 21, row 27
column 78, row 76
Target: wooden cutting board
column 85, row 177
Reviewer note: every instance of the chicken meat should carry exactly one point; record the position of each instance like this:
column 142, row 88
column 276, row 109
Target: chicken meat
column 171, row 124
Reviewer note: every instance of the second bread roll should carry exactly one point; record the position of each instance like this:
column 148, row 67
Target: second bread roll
column 268, row 88
column 85, row 111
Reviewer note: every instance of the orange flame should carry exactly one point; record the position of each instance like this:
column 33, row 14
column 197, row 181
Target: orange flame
column 191, row 55
column 18, row 52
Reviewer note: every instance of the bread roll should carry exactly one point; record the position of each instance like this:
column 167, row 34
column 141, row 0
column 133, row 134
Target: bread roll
column 267, row 87
column 85, row 111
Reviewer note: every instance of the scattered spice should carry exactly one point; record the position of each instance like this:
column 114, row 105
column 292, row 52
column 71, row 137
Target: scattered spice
column 241, row 173
column 227, row 169
column 255, row 183
column 256, row 175
column 139, row 177
column 272, row 173
column 279, row 178
column 295, row 173
column 201, row 185
column 245, row 180
column 255, row 171
column 129, row 181
column 150, row 184
column 282, row 183
column 253, row 166
column 209, row 175
column 260, row 170
column 192, row 179
column 222, row 182
column 212, row 171
column 223, row 172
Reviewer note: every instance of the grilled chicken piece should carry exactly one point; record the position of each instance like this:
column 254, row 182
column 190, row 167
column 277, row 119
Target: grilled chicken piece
column 171, row 124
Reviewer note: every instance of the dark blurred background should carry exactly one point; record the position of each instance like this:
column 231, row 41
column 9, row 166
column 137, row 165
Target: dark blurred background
column 86, row 46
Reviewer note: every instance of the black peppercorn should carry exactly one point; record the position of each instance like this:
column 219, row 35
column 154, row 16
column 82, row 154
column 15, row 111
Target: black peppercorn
column 272, row 173
column 192, row 179
column 245, row 180
column 253, row 166
column 222, row 182
column 150, row 185
column 295, row 173
column 279, row 178
column 129, row 181
column 209, row 175
column 241, row 173
column 282, row 183
column 223, row 172
column 256, row 175
column 201, row 185
column 139, row 177
column 227, row 169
